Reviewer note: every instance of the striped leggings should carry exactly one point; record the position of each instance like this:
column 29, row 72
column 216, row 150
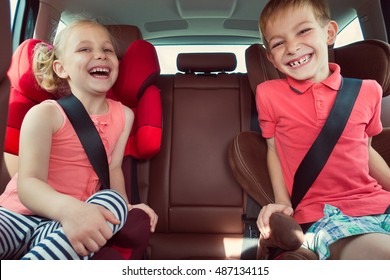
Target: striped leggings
column 37, row 238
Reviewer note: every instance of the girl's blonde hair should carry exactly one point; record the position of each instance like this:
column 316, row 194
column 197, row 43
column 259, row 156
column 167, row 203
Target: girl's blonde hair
column 45, row 54
column 273, row 8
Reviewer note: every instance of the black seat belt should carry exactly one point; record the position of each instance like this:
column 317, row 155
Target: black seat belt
column 319, row 152
column 88, row 135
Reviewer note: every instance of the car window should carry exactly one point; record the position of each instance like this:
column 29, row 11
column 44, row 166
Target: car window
column 167, row 55
column 13, row 4
column 351, row 33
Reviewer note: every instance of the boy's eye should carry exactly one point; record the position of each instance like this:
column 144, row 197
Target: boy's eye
column 276, row 44
column 303, row 31
column 84, row 50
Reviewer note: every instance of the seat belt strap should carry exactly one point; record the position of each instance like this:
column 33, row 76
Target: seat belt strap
column 319, row 152
column 88, row 135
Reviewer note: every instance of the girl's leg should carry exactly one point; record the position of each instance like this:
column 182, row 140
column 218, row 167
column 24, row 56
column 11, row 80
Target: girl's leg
column 15, row 233
column 134, row 234
column 50, row 241
column 371, row 246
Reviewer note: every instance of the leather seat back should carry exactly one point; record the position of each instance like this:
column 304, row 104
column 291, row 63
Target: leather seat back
column 189, row 183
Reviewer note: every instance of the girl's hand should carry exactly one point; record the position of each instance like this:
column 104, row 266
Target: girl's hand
column 265, row 214
column 153, row 216
column 85, row 225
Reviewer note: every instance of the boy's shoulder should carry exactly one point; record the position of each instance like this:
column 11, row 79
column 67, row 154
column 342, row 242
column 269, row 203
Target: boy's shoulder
column 274, row 85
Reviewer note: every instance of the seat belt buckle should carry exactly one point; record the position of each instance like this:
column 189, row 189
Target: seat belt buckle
column 250, row 226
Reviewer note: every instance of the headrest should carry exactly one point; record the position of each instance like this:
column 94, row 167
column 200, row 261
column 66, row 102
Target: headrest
column 259, row 68
column 124, row 35
column 20, row 72
column 206, row 62
column 368, row 59
column 138, row 69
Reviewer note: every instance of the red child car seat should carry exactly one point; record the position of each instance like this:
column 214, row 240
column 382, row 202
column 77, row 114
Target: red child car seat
column 139, row 68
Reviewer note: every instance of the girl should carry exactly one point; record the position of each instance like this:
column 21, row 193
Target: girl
column 52, row 208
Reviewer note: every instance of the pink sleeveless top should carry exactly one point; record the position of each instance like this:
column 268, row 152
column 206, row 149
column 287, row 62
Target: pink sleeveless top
column 70, row 171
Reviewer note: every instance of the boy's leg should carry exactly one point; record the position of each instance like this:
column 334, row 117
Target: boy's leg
column 51, row 242
column 15, row 233
column 374, row 246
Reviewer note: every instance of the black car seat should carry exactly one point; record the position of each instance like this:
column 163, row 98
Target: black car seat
column 368, row 59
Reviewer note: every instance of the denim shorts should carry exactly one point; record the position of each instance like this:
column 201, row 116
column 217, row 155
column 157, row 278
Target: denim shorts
column 335, row 225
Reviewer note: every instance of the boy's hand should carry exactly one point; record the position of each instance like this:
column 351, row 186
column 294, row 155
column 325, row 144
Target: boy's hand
column 85, row 226
column 265, row 214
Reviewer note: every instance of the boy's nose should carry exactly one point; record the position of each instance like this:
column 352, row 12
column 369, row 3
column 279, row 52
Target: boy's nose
column 292, row 47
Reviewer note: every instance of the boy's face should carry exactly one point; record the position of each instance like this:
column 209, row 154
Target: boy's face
column 298, row 44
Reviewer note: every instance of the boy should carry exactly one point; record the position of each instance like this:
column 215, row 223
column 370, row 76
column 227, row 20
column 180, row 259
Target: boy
column 349, row 197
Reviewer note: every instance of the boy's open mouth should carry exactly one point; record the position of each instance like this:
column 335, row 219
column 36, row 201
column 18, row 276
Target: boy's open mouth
column 301, row 61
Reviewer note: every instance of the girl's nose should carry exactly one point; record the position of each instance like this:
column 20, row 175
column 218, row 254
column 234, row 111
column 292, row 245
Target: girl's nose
column 100, row 54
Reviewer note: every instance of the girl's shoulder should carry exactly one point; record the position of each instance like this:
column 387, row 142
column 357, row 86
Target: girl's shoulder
column 118, row 107
column 45, row 113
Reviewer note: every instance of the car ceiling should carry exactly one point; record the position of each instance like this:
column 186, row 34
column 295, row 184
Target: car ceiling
column 188, row 21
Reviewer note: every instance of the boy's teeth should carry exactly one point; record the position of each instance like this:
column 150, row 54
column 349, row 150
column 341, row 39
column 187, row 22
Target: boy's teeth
column 300, row 62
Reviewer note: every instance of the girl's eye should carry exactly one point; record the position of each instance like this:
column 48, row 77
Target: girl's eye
column 109, row 50
column 84, row 50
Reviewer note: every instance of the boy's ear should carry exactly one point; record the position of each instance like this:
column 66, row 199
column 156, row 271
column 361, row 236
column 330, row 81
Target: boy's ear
column 59, row 69
column 333, row 28
column 270, row 57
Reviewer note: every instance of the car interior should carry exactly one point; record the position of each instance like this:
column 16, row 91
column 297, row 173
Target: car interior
column 195, row 154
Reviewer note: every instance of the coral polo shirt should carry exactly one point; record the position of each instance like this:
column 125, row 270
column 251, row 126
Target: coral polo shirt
column 294, row 112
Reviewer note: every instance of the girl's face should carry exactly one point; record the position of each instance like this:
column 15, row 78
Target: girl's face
column 298, row 44
column 87, row 59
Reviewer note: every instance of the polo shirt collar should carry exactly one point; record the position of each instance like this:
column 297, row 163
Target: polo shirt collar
column 333, row 81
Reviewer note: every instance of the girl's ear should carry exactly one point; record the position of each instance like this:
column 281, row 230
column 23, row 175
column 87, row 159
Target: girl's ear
column 333, row 28
column 59, row 69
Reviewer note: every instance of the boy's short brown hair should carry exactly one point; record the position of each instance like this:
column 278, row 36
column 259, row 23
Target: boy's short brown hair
column 274, row 7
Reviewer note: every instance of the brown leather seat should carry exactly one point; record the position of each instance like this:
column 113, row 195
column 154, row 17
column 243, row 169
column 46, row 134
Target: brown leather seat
column 366, row 59
column 189, row 183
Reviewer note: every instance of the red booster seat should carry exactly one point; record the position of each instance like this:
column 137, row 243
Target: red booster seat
column 138, row 70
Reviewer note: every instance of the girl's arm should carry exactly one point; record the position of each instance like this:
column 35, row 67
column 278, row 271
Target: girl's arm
column 84, row 224
column 378, row 167
column 39, row 124
column 282, row 197
column 117, row 181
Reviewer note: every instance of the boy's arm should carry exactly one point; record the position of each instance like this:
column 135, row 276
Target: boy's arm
column 276, row 175
column 282, row 198
column 378, row 167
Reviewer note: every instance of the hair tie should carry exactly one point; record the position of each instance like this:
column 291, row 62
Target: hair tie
column 50, row 47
